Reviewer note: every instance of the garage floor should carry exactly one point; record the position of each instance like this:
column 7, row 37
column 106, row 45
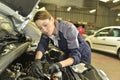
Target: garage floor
column 108, row 63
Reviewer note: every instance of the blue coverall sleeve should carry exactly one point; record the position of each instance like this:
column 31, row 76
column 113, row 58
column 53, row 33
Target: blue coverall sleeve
column 73, row 44
column 75, row 54
column 43, row 43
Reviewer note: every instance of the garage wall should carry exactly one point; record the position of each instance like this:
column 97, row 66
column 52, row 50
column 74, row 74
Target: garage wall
column 103, row 17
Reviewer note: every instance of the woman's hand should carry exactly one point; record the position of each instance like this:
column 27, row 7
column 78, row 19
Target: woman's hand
column 54, row 68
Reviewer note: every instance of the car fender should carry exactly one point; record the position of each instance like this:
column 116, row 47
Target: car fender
column 88, row 40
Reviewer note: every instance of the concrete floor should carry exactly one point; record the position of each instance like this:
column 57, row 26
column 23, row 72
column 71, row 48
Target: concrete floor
column 108, row 63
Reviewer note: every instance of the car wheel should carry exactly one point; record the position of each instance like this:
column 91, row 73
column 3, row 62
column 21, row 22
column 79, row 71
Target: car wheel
column 88, row 44
column 118, row 53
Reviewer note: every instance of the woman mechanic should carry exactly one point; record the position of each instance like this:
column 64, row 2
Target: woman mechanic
column 65, row 36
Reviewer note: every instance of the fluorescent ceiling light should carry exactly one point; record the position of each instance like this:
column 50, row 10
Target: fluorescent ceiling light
column 69, row 8
column 104, row 0
column 118, row 14
column 92, row 11
column 114, row 1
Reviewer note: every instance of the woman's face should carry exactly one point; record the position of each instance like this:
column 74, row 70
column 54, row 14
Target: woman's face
column 46, row 26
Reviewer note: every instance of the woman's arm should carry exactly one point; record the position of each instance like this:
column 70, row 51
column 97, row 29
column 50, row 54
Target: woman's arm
column 67, row 62
column 38, row 55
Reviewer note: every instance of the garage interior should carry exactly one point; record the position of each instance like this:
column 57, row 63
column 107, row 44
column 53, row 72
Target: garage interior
column 94, row 14
column 104, row 12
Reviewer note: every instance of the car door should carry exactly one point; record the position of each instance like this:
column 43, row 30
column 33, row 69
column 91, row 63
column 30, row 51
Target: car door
column 99, row 40
column 113, row 40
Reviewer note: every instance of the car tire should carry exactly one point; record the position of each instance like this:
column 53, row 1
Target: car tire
column 88, row 44
column 118, row 53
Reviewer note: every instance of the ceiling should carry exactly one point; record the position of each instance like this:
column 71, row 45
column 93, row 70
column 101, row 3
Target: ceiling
column 74, row 3
column 111, row 5
column 82, row 4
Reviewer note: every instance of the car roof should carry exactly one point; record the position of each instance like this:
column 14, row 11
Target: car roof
column 112, row 27
column 108, row 27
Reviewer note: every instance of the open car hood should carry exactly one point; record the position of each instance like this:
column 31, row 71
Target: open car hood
column 24, row 7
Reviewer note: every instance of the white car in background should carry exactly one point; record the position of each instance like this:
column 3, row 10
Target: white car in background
column 106, row 39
